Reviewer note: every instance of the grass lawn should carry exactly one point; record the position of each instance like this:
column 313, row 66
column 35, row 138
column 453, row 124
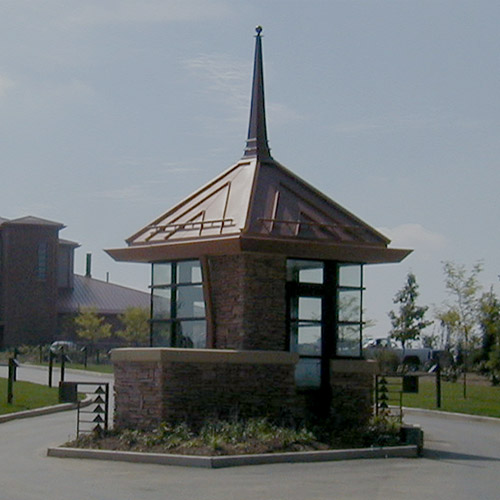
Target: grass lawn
column 27, row 396
column 481, row 399
column 101, row 368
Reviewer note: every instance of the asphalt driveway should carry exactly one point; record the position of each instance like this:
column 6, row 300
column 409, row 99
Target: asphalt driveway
column 461, row 461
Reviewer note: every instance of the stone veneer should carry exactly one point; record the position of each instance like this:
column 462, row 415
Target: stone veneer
column 354, row 379
column 249, row 301
column 166, row 384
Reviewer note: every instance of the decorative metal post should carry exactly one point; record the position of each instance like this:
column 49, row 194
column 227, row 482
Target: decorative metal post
column 13, row 364
column 438, row 384
column 51, row 366
column 63, row 365
column 85, row 356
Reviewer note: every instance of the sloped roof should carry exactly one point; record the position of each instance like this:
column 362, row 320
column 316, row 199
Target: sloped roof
column 258, row 205
column 68, row 243
column 30, row 220
column 105, row 298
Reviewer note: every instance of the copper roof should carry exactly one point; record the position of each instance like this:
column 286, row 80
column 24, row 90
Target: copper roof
column 258, row 205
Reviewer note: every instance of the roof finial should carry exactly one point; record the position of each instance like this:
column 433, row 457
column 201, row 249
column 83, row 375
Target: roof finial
column 257, row 145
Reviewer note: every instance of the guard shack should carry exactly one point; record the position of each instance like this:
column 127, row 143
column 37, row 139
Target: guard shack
column 256, row 296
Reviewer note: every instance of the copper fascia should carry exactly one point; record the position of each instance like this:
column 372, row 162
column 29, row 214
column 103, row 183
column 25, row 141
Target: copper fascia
column 292, row 248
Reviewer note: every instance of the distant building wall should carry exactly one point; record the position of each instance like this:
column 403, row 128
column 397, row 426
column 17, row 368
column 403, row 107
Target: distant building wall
column 29, row 283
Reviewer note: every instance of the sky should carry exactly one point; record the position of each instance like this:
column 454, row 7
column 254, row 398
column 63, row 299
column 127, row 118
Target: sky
column 113, row 111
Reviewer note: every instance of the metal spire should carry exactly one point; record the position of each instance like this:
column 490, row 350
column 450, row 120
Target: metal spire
column 257, row 146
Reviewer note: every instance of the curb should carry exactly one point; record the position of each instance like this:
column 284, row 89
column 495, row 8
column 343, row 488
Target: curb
column 449, row 414
column 409, row 451
column 46, row 410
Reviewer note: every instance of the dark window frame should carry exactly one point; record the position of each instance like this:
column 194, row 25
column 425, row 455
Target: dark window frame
column 328, row 291
column 175, row 321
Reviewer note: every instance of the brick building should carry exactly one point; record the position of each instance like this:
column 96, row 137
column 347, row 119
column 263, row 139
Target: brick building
column 38, row 286
column 259, row 261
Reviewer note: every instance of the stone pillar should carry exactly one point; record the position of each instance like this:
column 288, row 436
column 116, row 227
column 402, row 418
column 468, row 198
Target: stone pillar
column 352, row 382
column 248, row 293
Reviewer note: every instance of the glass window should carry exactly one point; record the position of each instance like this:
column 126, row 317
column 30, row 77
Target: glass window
column 162, row 298
column 178, row 305
column 190, row 303
column 349, row 340
column 349, row 305
column 308, row 372
column 189, row 272
column 310, row 308
column 161, row 334
column 309, row 339
column 191, row 334
column 162, row 273
column 305, row 271
column 350, row 275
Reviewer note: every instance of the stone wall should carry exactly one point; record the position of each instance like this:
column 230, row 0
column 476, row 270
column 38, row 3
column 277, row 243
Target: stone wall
column 352, row 383
column 138, row 394
column 248, row 297
column 193, row 385
column 154, row 385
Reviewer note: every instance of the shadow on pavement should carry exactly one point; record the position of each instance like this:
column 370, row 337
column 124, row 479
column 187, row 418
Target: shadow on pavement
column 450, row 455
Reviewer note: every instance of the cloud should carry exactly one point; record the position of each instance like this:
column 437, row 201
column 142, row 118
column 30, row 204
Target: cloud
column 144, row 11
column 417, row 237
column 430, row 120
column 227, row 76
column 145, row 191
column 230, row 79
column 5, row 84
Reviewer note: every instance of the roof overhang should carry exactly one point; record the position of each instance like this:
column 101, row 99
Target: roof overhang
column 292, row 248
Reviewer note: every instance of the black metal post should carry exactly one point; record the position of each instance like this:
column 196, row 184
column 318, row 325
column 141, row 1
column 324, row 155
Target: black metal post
column 63, row 365
column 438, row 385
column 13, row 364
column 85, row 356
column 16, row 353
column 51, row 366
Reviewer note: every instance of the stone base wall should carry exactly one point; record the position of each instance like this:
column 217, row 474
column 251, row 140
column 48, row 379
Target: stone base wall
column 352, row 383
column 157, row 385
column 176, row 385
column 138, row 394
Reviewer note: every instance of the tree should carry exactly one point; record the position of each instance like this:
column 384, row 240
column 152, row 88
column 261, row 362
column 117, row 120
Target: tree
column 135, row 321
column 490, row 328
column 448, row 321
column 489, row 322
column 463, row 287
column 90, row 326
column 408, row 322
